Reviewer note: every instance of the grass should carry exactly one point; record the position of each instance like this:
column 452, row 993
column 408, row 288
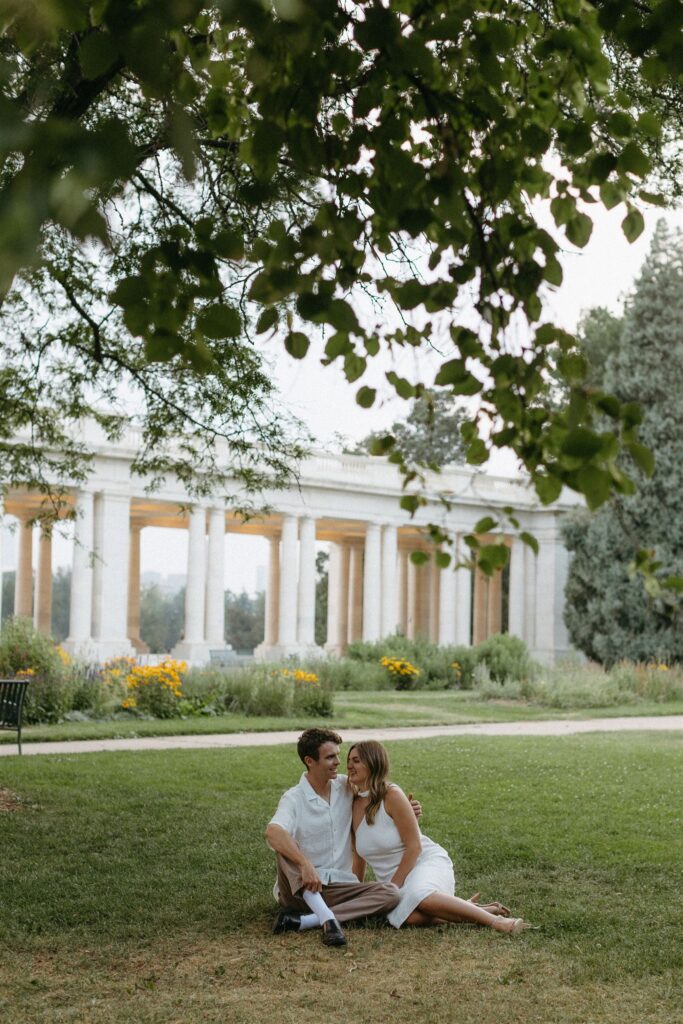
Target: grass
column 136, row 887
column 353, row 709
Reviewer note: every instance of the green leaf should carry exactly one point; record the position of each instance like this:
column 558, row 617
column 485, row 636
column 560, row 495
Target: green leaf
column 595, row 484
column 219, row 321
column 442, row 559
column 410, row 503
column 530, row 541
column 229, row 244
column 130, row 291
column 97, row 53
column 485, row 525
column 579, row 229
column 297, row 344
column 419, row 557
column 268, row 319
column 338, row 345
column 366, row 397
column 381, row 445
column 581, row 443
column 451, row 372
column 477, row 452
column 633, row 225
column 633, row 160
column 354, row 366
column 548, row 488
column 404, row 389
column 642, row 457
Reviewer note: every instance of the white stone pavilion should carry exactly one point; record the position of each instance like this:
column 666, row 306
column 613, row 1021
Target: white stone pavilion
column 348, row 501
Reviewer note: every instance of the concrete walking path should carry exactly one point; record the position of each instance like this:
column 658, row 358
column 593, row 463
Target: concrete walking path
column 557, row 727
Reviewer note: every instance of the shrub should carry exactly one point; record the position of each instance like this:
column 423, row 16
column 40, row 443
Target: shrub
column 402, row 672
column 345, row 674
column 506, row 657
column 155, row 689
column 26, row 653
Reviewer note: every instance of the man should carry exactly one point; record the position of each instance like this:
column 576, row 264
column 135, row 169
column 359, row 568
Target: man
column 311, row 834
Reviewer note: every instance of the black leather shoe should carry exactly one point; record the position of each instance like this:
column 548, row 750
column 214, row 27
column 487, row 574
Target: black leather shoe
column 288, row 920
column 333, row 934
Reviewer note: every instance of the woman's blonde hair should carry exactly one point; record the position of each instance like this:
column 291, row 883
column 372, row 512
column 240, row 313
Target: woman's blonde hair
column 376, row 760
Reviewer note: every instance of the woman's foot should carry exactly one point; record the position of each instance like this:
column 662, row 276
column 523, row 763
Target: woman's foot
column 513, row 925
column 495, row 908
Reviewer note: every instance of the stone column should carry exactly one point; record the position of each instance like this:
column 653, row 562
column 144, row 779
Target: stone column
column 343, row 599
column 42, row 604
column 551, row 641
column 372, row 583
column 215, row 577
column 481, row 606
column 448, row 593
column 434, row 589
column 2, row 523
column 265, row 650
column 193, row 646
column 333, row 571
column 463, row 601
column 287, row 620
column 422, row 584
column 110, row 579
column 79, row 641
column 494, row 614
column 389, row 594
column 411, row 599
column 23, row 579
column 306, row 610
column 516, row 609
column 134, row 591
column 355, row 614
column 403, row 556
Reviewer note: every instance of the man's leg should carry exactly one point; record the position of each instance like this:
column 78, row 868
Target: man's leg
column 291, row 895
column 350, row 900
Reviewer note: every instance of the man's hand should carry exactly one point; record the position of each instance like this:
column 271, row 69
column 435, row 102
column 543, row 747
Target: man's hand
column 416, row 805
column 310, row 877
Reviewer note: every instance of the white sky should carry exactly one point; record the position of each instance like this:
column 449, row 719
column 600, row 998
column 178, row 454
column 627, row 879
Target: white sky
column 601, row 274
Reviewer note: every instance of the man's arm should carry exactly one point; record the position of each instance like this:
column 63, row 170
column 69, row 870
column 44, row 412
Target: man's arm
column 281, row 842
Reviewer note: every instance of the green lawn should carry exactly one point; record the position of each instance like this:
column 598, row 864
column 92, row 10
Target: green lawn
column 352, row 710
column 136, row 887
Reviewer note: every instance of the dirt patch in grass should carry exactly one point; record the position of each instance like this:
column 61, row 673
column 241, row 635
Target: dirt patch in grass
column 436, row 977
column 10, row 801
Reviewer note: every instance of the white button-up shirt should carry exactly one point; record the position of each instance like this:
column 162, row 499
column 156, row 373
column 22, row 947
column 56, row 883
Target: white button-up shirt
column 321, row 829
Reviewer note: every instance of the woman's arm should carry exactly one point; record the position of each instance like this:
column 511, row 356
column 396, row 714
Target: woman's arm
column 359, row 866
column 398, row 807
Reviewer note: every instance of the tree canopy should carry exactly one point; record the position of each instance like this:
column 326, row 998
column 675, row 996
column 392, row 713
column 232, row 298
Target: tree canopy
column 179, row 180
column 608, row 615
column 429, row 435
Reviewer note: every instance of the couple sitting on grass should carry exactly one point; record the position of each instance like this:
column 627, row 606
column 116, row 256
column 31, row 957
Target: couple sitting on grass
column 329, row 827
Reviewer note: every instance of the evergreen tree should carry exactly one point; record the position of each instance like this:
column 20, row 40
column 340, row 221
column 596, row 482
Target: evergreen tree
column 610, row 615
column 431, row 432
column 244, row 620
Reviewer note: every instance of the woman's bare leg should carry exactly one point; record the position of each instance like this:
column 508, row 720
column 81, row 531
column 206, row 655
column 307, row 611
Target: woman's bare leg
column 451, row 908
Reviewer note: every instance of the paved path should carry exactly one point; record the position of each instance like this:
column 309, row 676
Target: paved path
column 267, row 739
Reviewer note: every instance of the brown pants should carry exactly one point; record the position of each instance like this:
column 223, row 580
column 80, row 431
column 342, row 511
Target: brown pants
column 349, row 900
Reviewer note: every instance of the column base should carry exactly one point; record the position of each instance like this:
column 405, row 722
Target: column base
column 283, row 652
column 193, row 652
column 139, row 645
column 98, row 650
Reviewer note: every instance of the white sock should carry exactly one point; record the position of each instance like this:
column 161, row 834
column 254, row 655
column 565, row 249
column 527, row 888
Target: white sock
column 317, row 904
column 309, row 921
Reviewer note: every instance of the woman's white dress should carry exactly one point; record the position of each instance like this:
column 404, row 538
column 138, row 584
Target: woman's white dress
column 381, row 846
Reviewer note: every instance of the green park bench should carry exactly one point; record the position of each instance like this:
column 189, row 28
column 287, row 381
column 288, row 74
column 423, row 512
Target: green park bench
column 12, row 693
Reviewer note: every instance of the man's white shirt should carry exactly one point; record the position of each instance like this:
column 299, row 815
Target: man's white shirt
column 322, row 830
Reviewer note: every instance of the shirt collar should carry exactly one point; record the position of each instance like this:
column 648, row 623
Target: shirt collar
column 311, row 794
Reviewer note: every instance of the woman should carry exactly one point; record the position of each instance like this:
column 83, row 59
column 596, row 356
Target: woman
column 388, row 838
